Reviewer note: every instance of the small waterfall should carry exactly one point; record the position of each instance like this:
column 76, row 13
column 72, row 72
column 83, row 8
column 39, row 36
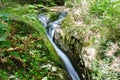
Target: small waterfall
column 50, row 30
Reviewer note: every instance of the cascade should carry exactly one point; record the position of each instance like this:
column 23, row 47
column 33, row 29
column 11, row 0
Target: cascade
column 50, row 31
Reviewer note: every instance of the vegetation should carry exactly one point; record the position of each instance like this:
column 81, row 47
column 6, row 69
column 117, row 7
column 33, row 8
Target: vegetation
column 25, row 52
column 91, row 36
column 107, row 12
column 95, row 25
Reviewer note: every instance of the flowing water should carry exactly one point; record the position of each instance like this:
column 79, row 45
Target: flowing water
column 50, row 31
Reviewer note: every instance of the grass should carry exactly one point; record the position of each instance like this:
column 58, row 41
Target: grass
column 108, row 14
column 100, row 29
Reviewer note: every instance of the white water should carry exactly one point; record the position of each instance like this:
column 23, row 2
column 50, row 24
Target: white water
column 50, row 30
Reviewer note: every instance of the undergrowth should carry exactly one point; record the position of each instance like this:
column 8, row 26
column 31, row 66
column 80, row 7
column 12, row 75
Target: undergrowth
column 100, row 29
column 25, row 52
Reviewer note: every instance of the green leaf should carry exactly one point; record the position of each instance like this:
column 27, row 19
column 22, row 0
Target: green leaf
column 5, row 44
column 14, row 53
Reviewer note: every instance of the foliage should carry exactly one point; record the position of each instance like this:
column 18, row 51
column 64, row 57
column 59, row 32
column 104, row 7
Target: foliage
column 101, row 71
column 25, row 53
column 24, row 47
column 109, row 13
column 43, row 2
column 72, row 3
column 107, row 7
column 100, row 27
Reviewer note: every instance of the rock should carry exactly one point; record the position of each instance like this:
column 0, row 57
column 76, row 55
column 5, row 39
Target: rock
column 44, row 78
column 54, row 69
column 46, row 66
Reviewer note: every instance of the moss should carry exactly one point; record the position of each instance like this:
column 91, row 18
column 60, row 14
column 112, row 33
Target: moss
column 28, row 47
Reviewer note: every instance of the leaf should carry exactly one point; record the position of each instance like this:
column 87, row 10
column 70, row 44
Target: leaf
column 3, row 28
column 14, row 53
column 5, row 44
column 4, row 16
column 3, row 37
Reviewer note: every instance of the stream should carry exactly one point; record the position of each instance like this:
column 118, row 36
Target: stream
column 50, row 32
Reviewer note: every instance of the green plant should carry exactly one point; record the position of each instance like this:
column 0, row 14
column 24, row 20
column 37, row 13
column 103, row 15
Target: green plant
column 24, row 47
column 72, row 3
column 101, row 71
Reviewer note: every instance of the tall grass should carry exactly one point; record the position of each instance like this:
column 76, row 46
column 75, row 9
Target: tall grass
column 109, row 13
column 100, row 17
column 72, row 3
column 105, row 15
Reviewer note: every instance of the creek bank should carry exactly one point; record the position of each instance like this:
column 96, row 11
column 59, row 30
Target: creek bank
column 68, row 45
column 89, row 45
column 26, row 53
column 51, row 28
